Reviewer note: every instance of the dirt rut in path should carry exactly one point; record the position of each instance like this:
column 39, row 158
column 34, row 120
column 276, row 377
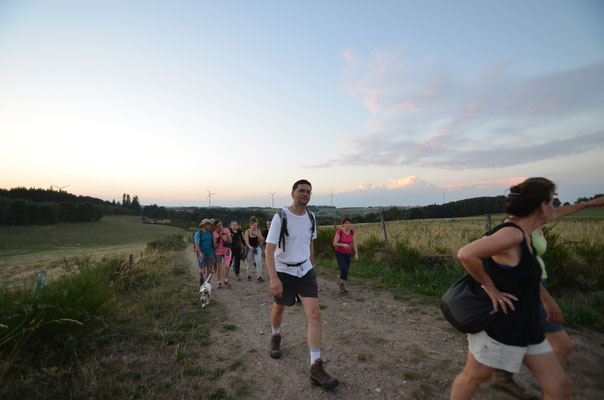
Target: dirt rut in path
column 378, row 347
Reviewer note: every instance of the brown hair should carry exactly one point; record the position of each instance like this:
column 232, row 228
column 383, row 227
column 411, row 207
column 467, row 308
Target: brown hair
column 527, row 196
column 301, row 182
column 345, row 219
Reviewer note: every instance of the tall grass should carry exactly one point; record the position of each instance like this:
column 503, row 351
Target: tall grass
column 422, row 259
column 73, row 313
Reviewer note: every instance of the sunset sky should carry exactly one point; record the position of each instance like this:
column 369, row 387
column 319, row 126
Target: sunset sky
column 378, row 103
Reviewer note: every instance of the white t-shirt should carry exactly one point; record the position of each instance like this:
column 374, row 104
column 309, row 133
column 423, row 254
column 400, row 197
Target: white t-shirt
column 297, row 244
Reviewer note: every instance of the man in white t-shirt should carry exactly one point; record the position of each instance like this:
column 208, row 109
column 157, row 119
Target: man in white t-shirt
column 290, row 265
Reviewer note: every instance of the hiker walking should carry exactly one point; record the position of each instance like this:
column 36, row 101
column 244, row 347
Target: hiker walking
column 222, row 236
column 204, row 245
column 290, row 265
column 254, row 240
column 237, row 246
column 504, row 263
column 344, row 242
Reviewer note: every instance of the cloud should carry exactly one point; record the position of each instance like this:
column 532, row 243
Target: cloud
column 413, row 190
column 425, row 115
column 481, row 185
column 409, row 182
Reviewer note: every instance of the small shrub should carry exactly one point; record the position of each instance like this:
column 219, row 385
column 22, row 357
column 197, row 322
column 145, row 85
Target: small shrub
column 323, row 244
column 174, row 242
column 368, row 247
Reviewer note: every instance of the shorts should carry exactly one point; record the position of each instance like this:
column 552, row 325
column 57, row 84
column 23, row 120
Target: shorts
column 208, row 261
column 219, row 258
column 305, row 286
column 494, row 354
column 547, row 326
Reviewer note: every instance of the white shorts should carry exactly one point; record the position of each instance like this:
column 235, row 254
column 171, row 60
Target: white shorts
column 494, row 354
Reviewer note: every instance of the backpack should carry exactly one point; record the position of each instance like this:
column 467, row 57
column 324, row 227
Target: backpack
column 283, row 233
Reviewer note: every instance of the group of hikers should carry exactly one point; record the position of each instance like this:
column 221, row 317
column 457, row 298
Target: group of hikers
column 506, row 263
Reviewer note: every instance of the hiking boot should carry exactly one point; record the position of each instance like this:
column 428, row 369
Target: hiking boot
column 504, row 380
column 260, row 279
column 318, row 376
column 343, row 289
column 227, row 285
column 276, row 346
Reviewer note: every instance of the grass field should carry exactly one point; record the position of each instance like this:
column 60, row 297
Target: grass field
column 437, row 236
column 25, row 250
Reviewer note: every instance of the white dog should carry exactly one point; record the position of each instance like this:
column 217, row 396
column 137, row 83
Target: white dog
column 205, row 292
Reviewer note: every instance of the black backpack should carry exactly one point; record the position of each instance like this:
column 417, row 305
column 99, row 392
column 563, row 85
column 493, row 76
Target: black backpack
column 283, row 233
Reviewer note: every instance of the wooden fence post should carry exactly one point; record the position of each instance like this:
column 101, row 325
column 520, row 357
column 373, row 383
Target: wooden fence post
column 130, row 259
column 384, row 228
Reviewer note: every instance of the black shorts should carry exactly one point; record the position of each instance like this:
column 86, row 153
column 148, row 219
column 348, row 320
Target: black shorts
column 292, row 286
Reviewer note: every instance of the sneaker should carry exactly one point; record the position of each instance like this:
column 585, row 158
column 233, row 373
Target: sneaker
column 276, row 346
column 343, row 289
column 238, row 278
column 260, row 279
column 504, row 380
column 249, row 278
column 219, row 285
column 318, row 376
column 227, row 285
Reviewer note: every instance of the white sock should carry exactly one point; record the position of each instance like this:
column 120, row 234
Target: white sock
column 277, row 330
column 314, row 355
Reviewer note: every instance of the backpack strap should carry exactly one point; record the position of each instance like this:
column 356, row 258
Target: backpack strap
column 312, row 222
column 512, row 224
column 283, row 232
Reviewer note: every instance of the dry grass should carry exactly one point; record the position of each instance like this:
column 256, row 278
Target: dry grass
column 437, row 236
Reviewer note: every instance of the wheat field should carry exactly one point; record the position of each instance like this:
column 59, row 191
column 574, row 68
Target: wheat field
column 445, row 237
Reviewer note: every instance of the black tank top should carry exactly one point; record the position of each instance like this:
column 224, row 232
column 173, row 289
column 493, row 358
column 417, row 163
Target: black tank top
column 522, row 326
column 253, row 241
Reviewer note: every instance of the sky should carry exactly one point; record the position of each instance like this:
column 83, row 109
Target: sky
column 376, row 103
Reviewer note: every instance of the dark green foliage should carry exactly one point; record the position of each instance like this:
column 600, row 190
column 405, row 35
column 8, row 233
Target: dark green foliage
column 323, row 244
column 27, row 212
column 174, row 242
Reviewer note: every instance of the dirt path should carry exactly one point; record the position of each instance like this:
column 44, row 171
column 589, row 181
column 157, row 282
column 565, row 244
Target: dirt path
column 378, row 347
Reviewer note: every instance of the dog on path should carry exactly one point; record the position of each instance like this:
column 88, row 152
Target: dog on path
column 205, row 292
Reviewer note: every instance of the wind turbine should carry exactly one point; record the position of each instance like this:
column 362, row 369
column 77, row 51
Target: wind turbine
column 60, row 188
column 273, row 199
column 209, row 198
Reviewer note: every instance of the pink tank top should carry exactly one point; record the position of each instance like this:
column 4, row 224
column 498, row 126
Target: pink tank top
column 221, row 249
column 345, row 239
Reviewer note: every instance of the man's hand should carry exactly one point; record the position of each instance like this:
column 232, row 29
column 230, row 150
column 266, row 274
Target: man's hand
column 276, row 287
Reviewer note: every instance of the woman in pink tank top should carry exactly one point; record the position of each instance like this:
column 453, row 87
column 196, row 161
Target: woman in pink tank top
column 344, row 242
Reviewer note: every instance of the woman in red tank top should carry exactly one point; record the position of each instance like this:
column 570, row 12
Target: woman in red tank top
column 344, row 242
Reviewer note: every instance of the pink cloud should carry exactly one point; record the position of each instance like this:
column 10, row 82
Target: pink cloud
column 484, row 184
column 399, row 183
column 403, row 182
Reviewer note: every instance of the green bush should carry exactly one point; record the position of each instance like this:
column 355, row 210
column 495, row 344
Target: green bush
column 173, row 242
column 368, row 247
column 323, row 244
column 409, row 257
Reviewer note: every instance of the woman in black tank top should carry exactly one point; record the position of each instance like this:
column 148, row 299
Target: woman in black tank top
column 504, row 263
column 253, row 240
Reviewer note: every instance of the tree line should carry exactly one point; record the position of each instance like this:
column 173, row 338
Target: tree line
column 28, row 212
column 456, row 209
column 23, row 206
